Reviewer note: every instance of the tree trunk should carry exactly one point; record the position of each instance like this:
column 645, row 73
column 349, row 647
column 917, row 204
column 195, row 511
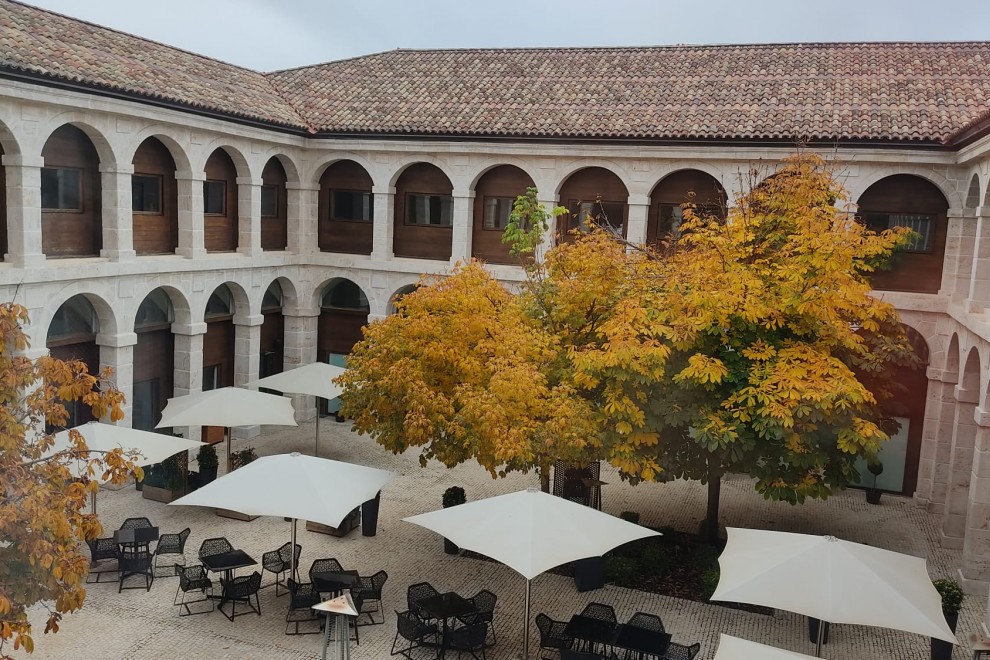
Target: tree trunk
column 709, row 528
column 545, row 479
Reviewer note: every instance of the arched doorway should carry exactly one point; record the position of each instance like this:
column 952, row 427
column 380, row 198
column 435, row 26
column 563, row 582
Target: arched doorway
column 72, row 336
column 71, row 197
column 272, row 332
column 346, row 209
column 154, row 365
column 593, row 194
column 220, row 203
column 218, row 349
column 424, row 213
column 344, row 312
column 494, row 198
column 154, row 199
column 675, row 190
column 274, row 206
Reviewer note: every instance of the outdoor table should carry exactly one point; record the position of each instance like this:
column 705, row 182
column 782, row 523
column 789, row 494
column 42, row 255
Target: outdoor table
column 333, row 582
column 227, row 562
column 134, row 554
column 445, row 607
column 590, row 630
column 641, row 641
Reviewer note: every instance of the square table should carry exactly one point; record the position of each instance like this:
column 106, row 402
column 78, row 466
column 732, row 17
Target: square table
column 334, row 582
column 227, row 562
column 445, row 607
column 134, row 555
column 641, row 641
column 590, row 630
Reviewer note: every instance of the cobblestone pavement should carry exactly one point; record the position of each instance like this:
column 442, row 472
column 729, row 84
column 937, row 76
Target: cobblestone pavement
column 144, row 625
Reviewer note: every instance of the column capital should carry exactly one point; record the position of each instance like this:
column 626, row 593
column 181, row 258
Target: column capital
column 302, row 185
column 187, row 175
column 383, row 190
column 20, row 160
column 118, row 340
column 982, row 417
column 249, row 181
column 249, row 319
column 109, row 168
column 967, row 394
column 195, row 328
column 638, row 200
column 301, row 311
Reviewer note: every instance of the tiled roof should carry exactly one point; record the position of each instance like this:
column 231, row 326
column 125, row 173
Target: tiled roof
column 923, row 93
column 39, row 42
column 875, row 91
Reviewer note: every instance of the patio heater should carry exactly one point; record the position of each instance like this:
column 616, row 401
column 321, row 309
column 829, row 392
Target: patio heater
column 340, row 608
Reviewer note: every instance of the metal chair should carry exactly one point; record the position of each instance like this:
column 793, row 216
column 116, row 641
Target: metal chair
column 646, row 621
column 552, row 636
column 370, row 589
column 214, row 546
column 240, row 590
column 100, row 550
column 136, row 523
column 193, row 578
column 600, row 611
column 172, row 544
column 279, row 562
column 677, row 651
column 417, row 592
column 484, row 601
column 302, row 597
column 468, row 639
column 325, row 566
column 415, row 631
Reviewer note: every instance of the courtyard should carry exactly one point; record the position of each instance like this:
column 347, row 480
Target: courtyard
column 138, row 624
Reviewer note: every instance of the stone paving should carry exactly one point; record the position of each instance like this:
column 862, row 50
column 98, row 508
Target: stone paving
column 142, row 625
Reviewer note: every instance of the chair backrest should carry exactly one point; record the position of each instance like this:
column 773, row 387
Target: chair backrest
column 254, row 582
column 600, row 611
column 325, row 566
column 469, row 637
column 409, row 625
column 419, row 591
column 215, row 546
column 484, row 600
column 190, row 574
column 543, row 623
column 301, row 594
column 677, row 651
column 183, row 535
column 647, row 621
column 377, row 582
column 136, row 523
column 285, row 550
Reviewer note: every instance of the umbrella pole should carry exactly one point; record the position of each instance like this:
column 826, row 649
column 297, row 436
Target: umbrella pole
column 92, row 501
column 526, row 624
column 821, row 635
column 226, row 435
column 293, row 551
column 316, row 450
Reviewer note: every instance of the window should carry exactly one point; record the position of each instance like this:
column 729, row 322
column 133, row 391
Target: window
column 211, row 377
column 214, row 197
column 920, row 224
column 604, row 214
column 497, row 212
column 671, row 216
column 351, row 205
column 146, row 193
column 431, row 210
column 269, row 201
column 61, row 189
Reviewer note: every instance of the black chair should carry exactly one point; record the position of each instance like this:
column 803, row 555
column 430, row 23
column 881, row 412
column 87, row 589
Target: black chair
column 325, row 566
column 415, row 631
column 417, row 592
column 552, row 635
column 600, row 611
column 214, row 546
column 370, row 589
column 647, row 622
column 136, row 523
column 468, row 639
column 172, row 544
column 484, row 601
column 240, row 590
column 677, row 651
column 302, row 597
column 193, row 578
column 279, row 562
column 135, row 560
column 100, row 550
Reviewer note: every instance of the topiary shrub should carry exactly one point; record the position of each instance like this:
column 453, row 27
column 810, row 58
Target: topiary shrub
column 951, row 593
column 630, row 516
column 621, row 571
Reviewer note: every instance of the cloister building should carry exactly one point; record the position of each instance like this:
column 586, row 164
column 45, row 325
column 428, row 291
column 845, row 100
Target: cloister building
column 193, row 224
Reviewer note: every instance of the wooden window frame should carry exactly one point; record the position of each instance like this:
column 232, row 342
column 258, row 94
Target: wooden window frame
column 332, row 207
column 161, row 186
column 484, row 212
column 410, row 195
column 578, row 203
column 274, row 187
column 223, row 197
column 82, row 201
column 929, row 248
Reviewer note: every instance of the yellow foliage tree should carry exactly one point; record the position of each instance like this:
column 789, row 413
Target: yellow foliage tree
column 42, row 524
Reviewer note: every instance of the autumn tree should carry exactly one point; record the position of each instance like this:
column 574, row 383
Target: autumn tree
column 42, row 524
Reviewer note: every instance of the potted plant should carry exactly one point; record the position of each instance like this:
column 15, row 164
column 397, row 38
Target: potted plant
column 242, row 457
column 873, row 494
column 165, row 481
column 952, row 598
column 452, row 497
column 208, row 463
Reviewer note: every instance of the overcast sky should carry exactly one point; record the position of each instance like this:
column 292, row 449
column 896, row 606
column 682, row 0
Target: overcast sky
column 275, row 34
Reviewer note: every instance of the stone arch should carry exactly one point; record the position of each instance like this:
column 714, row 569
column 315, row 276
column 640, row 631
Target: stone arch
column 575, row 166
column 290, row 295
column 970, row 376
column 495, row 192
column 316, row 172
column 346, row 207
column 240, row 299
column 403, row 290
column 179, row 154
column 952, row 355
column 155, row 198
column 400, row 167
column 593, row 191
column 274, row 206
column 72, row 192
column 101, row 143
column 109, row 324
column 153, row 375
column 490, row 164
column 677, row 187
column 423, row 214
column 973, row 194
column 180, row 303
column 288, row 162
column 241, row 163
column 73, row 333
column 344, row 309
column 9, row 144
column 872, row 176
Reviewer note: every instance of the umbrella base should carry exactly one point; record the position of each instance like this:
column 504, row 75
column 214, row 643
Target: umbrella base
column 236, row 515
column 347, row 525
column 813, row 624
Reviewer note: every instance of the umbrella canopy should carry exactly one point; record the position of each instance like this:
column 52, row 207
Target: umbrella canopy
column 530, row 532
column 832, row 580
column 152, row 447
column 315, row 379
column 733, row 648
column 227, row 406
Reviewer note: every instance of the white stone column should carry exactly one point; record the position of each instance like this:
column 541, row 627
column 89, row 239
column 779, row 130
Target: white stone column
column 961, row 466
column 23, row 210
column 303, row 208
column 299, row 333
column 118, row 216
column 247, row 359
column 188, row 365
column 460, row 243
column 117, row 352
column 384, row 227
column 550, row 235
column 936, row 442
column 192, row 228
column 639, row 208
column 249, row 216
column 957, row 262
column 976, row 542
column 978, row 296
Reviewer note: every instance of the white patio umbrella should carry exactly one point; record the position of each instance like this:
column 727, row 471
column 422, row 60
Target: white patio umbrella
column 530, row 532
column 292, row 486
column 227, row 407
column 831, row 580
column 315, row 379
column 99, row 437
column 733, row 648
